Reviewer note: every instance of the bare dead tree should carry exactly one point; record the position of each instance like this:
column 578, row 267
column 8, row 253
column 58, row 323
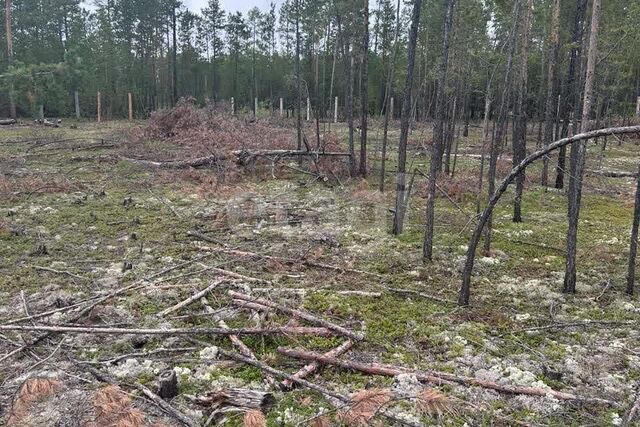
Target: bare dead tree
column 364, row 91
column 7, row 22
column 633, row 246
column 436, row 151
column 387, row 102
column 567, row 105
column 496, row 141
column 520, row 112
column 298, row 82
column 401, row 178
column 552, row 86
column 578, row 156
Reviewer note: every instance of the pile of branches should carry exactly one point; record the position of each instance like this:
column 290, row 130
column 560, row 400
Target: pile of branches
column 223, row 141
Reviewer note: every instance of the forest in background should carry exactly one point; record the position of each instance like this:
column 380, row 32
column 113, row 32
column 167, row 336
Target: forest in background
column 161, row 51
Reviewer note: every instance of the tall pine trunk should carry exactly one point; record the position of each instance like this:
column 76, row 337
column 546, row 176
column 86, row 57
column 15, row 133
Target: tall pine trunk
column 552, row 87
column 578, row 152
column 298, row 83
column 364, row 92
column 520, row 113
column 174, row 56
column 569, row 93
column 501, row 125
column 387, row 101
column 398, row 219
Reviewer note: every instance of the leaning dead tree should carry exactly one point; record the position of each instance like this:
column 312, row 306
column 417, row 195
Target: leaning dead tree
column 464, row 293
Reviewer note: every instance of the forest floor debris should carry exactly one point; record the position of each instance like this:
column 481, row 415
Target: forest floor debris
column 133, row 248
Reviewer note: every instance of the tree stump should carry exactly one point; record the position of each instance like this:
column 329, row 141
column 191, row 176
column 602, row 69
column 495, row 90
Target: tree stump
column 167, row 384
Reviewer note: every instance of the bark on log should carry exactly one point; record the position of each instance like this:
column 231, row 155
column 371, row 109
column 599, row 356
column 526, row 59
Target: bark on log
column 168, row 384
column 312, row 367
column 437, row 377
column 298, row 313
column 285, row 330
column 179, row 164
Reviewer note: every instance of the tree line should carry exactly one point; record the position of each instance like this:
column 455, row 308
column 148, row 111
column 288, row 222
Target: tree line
column 161, row 51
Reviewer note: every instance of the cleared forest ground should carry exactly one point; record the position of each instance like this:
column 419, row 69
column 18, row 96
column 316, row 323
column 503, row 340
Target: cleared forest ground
column 80, row 221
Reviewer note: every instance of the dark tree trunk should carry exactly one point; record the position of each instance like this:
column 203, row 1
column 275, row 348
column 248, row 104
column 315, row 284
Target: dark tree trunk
column 388, row 113
column 633, row 246
column 174, row 57
column 298, row 83
column 398, row 218
column 569, row 92
column 578, row 153
column 552, row 86
column 364, row 92
column 438, row 140
column 501, row 125
column 520, row 113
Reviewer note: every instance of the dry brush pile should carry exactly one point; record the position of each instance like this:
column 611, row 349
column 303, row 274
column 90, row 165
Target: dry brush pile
column 188, row 136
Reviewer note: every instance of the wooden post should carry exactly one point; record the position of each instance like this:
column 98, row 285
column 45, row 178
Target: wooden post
column 99, row 107
column 281, row 108
column 633, row 247
column 391, row 108
column 130, row 98
column 638, row 107
column 255, row 107
column 41, row 113
column 233, row 106
column 76, row 100
column 308, row 109
column 335, row 111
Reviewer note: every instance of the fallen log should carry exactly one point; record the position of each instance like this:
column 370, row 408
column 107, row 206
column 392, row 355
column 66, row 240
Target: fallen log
column 305, row 315
column 178, row 164
column 437, row 377
column 7, row 122
column 285, row 330
column 312, row 367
